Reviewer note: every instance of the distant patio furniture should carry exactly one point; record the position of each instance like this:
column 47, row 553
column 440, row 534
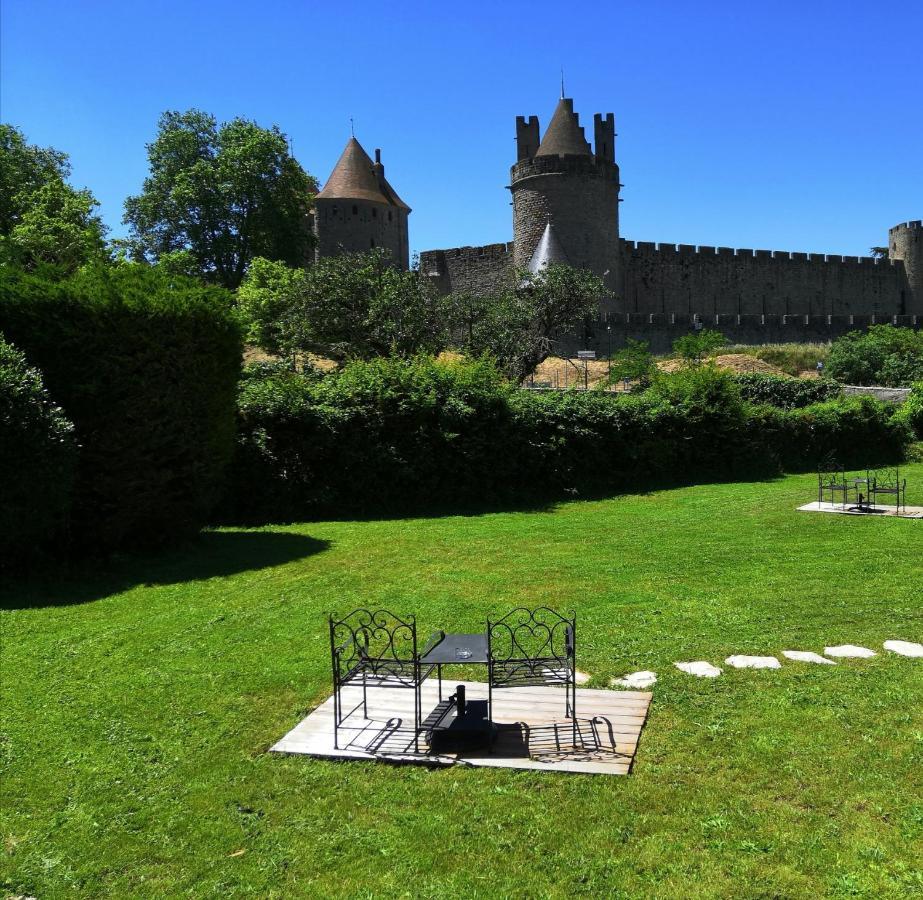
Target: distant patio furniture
column 889, row 483
column 375, row 648
column 533, row 647
column 833, row 482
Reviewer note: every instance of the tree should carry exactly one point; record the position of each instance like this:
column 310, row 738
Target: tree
column 696, row 345
column 634, row 362
column 354, row 306
column 43, row 219
column 225, row 193
column 520, row 327
column 879, row 252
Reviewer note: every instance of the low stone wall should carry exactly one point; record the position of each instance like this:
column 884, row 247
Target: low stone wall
column 886, row 394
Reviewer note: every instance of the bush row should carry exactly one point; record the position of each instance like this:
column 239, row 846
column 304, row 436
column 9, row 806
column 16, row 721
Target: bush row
column 882, row 355
column 145, row 365
column 387, row 437
column 784, row 391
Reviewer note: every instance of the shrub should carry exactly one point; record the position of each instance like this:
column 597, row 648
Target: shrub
column 883, row 355
column 785, row 392
column 145, row 365
column 37, row 456
column 911, row 413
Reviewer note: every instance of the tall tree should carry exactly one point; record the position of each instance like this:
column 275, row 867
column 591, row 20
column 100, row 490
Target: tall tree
column 224, row 193
column 43, row 219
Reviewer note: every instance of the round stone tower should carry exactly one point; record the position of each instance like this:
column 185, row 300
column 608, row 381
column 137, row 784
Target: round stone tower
column 560, row 180
column 358, row 210
column 905, row 243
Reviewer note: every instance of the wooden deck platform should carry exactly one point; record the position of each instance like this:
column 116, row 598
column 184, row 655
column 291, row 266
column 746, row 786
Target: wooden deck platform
column 890, row 512
column 532, row 731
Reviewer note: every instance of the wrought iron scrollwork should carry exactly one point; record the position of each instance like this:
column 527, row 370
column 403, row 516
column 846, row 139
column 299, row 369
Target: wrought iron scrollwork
column 531, row 646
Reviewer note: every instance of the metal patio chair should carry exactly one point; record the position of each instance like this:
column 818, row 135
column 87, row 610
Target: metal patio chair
column 375, row 648
column 833, row 481
column 533, row 647
column 889, row 483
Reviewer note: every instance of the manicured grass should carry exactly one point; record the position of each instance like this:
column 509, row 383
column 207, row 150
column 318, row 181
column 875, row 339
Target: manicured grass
column 138, row 704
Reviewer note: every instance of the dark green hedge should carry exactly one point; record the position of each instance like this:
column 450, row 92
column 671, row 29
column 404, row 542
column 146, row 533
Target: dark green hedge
column 388, row 437
column 784, row 391
column 883, row 355
column 37, row 459
column 146, row 367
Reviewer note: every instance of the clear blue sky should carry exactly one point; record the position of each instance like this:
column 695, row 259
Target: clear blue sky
column 791, row 126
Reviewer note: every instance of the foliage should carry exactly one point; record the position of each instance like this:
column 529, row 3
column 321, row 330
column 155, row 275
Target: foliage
column 784, row 391
column 695, row 346
column 912, row 410
column 224, row 193
column 137, row 713
column 353, row 306
column 791, row 358
column 146, row 366
column 882, row 355
column 37, row 455
column 44, row 222
column 393, row 436
column 633, row 362
column 520, row 327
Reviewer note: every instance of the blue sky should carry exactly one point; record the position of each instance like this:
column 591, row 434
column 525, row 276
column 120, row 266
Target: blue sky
column 790, row 126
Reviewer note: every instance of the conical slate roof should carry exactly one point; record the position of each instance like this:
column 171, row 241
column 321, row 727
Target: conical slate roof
column 564, row 135
column 548, row 251
column 354, row 178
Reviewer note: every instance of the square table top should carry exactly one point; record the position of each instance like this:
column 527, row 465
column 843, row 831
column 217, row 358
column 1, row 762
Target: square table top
column 447, row 650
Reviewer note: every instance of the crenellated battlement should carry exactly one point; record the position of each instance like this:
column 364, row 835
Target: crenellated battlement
column 912, row 225
column 648, row 248
column 562, row 165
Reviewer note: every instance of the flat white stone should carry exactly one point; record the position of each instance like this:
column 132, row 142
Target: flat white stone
column 850, row 650
column 807, row 656
column 700, row 669
column 581, row 677
column 753, row 662
column 635, row 680
column 904, row 648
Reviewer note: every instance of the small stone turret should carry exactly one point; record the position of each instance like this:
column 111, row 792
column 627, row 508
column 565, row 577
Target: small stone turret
column 358, row 210
column 561, row 180
column 905, row 244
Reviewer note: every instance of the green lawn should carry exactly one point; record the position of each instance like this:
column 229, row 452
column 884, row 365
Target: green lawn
column 138, row 704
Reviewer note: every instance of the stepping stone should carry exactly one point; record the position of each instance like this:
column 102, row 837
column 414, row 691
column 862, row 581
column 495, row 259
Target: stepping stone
column 904, row 648
column 581, row 677
column 807, row 656
column 700, row 669
column 753, row 662
column 850, row 650
column 635, row 680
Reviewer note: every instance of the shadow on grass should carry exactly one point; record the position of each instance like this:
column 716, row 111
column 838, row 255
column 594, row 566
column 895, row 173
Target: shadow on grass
column 211, row 554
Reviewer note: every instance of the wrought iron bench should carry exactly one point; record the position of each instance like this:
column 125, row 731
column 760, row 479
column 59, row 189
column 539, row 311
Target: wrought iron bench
column 375, row 648
column 889, row 483
column 833, row 482
column 533, row 647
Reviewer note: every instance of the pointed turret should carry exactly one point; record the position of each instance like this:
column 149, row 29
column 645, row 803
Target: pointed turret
column 359, row 210
column 548, row 251
column 564, row 135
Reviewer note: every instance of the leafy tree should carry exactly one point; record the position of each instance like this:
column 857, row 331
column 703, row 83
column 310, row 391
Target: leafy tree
column 354, row 306
column 884, row 355
column 880, row 252
column 224, row 193
column 44, row 221
column 634, row 362
column 521, row 326
column 696, row 345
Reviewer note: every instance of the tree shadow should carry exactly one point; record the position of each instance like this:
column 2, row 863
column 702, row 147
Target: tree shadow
column 211, row 554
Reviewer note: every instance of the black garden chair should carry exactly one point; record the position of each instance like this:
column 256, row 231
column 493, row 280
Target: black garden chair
column 833, row 481
column 889, row 483
column 375, row 648
column 533, row 647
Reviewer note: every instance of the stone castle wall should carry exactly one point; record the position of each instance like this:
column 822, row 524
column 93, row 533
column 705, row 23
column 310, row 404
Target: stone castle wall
column 357, row 226
column 470, row 270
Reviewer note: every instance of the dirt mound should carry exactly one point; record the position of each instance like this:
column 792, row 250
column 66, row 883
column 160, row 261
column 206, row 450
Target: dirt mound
column 738, row 363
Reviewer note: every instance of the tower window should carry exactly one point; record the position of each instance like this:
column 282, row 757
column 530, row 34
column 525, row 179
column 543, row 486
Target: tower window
column 355, row 210
column 372, row 243
column 389, row 215
column 374, row 213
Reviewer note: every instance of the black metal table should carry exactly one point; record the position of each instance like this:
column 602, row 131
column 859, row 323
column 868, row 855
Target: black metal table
column 456, row 649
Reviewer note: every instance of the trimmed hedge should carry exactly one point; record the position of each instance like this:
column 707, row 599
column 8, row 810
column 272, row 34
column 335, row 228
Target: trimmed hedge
column 37, row 458
column 146, row 366
column 389, row 437
column 784, row 391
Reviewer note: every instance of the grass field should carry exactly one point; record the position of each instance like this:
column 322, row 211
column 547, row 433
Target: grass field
column 138, row 703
